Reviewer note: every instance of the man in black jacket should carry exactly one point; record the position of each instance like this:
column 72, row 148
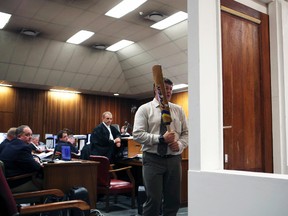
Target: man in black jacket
column 105, row 138
column 18, row 160
column 62, row 138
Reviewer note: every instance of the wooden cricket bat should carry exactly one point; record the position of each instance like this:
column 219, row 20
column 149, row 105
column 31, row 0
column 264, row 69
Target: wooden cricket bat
column 161, row 90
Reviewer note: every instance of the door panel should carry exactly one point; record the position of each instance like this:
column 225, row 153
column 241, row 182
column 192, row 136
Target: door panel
column 245, row 119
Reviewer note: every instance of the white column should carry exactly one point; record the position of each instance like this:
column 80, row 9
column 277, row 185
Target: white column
column 278, row 21
column 205, row 86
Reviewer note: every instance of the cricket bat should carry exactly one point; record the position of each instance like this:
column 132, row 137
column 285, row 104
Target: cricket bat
column 163, row 102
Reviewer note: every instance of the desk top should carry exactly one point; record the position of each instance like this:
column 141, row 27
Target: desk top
column 68, row 163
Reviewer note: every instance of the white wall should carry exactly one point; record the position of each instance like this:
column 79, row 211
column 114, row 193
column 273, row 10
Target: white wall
column 213, row 191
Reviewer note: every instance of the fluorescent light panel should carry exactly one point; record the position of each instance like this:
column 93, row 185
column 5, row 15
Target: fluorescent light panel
column 6, row 85
column 124, row 7
column 80, row 36
column 65, row 91
column 179, row 86
column 119, row 45
column 4, row 18
column 171, row 20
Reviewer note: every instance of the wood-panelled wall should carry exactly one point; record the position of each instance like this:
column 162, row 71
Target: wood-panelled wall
column 49, row 112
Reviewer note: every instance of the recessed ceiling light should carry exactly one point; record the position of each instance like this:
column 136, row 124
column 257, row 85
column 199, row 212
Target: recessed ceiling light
column 80, row 36
column 171, row 20
column 65, row 91
column 5, row 85
column 99, row 46
column 116, row 94
column 119, row 45
column 4, row 19
column 124, row 7
column 29, row 32
column 179, row 86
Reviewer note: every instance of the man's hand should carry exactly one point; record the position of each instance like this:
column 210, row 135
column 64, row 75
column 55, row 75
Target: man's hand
column 169, row 137
column 174, row 146
column 117, row 141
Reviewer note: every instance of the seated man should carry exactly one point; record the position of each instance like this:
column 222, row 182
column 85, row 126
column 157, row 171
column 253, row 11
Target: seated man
column 62, row 138
column 18, row 160
column 34, row 145
column 11, row 134
column 105, row 138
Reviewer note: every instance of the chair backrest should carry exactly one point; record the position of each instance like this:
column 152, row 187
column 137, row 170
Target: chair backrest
column 116, row 126
column 7, row 202
column 2, row 166
column 103, row 176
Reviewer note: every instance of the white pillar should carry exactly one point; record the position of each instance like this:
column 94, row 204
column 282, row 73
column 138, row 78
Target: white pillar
column 205, row 86
column 278, row 21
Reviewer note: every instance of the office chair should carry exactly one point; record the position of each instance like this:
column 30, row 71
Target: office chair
column 8, row 206
column 108, row 183
column 18, row 177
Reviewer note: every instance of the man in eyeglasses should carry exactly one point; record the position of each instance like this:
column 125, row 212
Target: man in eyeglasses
column 18, row 160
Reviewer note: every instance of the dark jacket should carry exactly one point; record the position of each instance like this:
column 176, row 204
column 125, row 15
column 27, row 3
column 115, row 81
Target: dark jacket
column 3, row 144
column 59, row 145
column 18, row 160
column 100, row 142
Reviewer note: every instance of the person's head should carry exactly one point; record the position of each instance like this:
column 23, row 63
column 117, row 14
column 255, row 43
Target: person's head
column 107, row 118
column 35, row 139
column 168, row 87
column 11, row 133
column 62, row 136
column 71, row 139
column 123, row 129
column 68, row 131
column 24, row 133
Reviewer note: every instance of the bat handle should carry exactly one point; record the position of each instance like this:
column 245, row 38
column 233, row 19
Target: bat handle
column 168, row 128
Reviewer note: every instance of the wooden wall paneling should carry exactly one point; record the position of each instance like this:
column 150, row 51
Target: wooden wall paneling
column 7, row 108
column 29, row 109
column 62, row 111
column 181, row 99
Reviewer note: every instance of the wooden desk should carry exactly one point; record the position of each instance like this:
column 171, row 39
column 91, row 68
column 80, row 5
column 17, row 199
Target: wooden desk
column 134, row 148
column 66, row 175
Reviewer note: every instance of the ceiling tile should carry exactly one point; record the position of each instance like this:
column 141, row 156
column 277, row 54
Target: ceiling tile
column 41, row 76
column 28, row 74
column 14, row 72
column 3, row 70
column 164, row 50
column 54, row 77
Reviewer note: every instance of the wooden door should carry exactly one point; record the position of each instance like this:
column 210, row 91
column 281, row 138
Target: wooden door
column 246, row 88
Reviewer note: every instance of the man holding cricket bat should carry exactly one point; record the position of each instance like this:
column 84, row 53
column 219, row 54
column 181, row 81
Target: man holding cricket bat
column 161, row 169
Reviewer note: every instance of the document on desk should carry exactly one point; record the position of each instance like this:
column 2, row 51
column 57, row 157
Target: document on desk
column 66, row 161
column 44, row 155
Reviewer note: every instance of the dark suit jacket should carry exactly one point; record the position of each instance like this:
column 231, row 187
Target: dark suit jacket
column 59, row 145
column 18, row 160
column 100, row 142
column 3, row 144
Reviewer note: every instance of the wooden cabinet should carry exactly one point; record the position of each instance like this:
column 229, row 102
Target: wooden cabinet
column 134, row 148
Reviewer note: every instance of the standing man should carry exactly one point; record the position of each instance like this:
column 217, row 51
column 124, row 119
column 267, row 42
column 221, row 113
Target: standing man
column 18, row 160
column 105, row 138
column 161, row 171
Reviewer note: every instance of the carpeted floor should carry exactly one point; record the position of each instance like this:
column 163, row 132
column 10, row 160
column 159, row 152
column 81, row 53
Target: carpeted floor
column 123, row 208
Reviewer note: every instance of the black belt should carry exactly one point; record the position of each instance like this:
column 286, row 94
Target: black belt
column 162, row 156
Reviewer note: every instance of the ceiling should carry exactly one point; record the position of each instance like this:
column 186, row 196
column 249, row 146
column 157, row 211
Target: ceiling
column 47, row 61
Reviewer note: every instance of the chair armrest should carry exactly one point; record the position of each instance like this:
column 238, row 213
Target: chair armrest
column 13, row 178
column 128, row 171
column 120, row 169
column 79, row 204
column 41, row 193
